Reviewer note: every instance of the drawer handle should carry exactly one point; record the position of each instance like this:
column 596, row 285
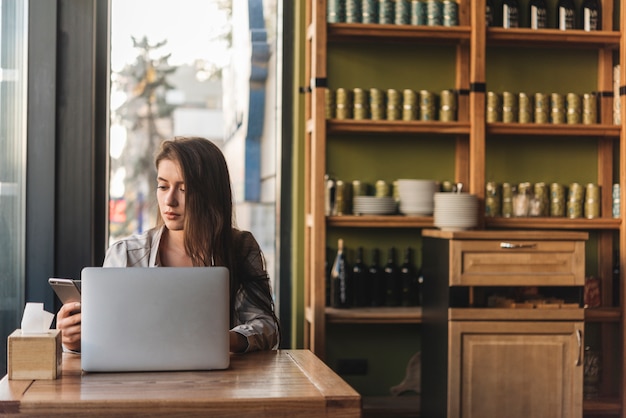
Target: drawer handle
column 508, row 245
column 579, row 338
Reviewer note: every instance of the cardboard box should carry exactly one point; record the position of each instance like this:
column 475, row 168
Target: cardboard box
column 34, row 356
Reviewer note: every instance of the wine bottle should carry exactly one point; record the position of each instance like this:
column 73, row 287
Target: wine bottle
column 510, row 14
column 377, row 285
column 408, row 278
column 490, row 12
column 565, row 13
column 617, row 288
column 392, row 283
column 591, row 16
column 360, row 282
column 339, row 279
column 538, row 14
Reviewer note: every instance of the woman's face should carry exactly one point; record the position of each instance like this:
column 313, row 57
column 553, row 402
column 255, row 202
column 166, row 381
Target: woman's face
column 171, row 194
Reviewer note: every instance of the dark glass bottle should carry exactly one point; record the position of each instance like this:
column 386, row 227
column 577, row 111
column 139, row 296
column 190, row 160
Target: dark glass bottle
column 591, row 15
column 377, row 285
column 510, row 14
column 408, row 278
column 360, row 282
column 490, row 13
column 617, row 288
column 538, row 12
column 565, row 15
column 393, row 289
column 339, row 290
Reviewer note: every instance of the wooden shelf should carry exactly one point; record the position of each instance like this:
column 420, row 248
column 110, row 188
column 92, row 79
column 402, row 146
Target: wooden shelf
column 602, row 406
column 369, row 127
column 553, row 37
column 553, row 223
column 502, row 128
column 603, row 315
column 366, row 32
column 375, row 315
column 380, row 221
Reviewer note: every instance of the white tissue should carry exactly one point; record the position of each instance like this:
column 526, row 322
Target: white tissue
column 35, row 319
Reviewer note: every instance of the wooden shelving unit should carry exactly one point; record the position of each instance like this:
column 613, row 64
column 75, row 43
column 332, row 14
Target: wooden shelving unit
column 472, row 41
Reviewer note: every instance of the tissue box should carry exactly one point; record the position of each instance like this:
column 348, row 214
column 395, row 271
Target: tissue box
column 34, row 356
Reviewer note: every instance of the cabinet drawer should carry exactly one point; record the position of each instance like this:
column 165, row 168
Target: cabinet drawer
column 517, row 263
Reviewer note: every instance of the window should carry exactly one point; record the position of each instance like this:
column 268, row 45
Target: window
column 13, row 99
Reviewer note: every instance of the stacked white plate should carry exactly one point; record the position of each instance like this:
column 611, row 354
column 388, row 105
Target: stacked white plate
column 416, row 196
column 372, row 205
column 455, row 211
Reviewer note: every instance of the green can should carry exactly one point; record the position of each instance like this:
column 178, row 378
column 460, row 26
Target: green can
column 418, row 12
column 525, row 105
column 494, row 107
column 507, row 200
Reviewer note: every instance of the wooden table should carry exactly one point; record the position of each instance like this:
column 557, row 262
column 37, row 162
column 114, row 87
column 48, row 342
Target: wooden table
column 293, row 383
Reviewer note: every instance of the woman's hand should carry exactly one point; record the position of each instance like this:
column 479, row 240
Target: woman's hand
column 238, row 343
column 68, row 321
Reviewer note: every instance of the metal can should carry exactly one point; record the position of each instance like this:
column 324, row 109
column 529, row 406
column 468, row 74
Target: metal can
column 557, row 108
column 361, row 102
column 403, row 12
column 592, row 201
column 369, row 11
column 341, row 206
column 335, row 11
column 573, row 108
column 434, row 13
column 450, row 13
column 343, row 98
column 394, row 108
column 590, row 109
column 509, row 107
column 542, row 108
column 428, row 105
column 525, row 106
column 447, row 106
column 492, row 199
column 409, row 105
column 494, row 107
column 382, row 188
column 386, row 11
column 377, row 104
column 353, row 11
column 575, row 201
column 419, row 12
column 329, row 102
column 557, row 199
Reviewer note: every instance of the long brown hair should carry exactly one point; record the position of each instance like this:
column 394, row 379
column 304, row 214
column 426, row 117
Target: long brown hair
column 208, row 199
column 210, row 236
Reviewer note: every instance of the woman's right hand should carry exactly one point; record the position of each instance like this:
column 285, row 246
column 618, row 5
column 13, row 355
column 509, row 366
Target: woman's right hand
column 68, row 321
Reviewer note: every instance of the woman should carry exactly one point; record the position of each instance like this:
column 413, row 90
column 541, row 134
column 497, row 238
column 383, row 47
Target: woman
column 195, row 229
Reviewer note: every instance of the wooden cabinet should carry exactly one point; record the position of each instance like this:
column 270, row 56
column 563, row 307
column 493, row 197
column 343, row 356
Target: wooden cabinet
column 344, row 54
column 482, row 361
column 516, row 369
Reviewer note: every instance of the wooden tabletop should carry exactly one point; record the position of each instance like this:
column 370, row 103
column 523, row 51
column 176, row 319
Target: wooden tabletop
column 292, row 383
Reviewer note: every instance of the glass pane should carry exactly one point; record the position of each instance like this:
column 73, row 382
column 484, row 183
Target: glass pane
column 199, row 68
column 13, row 78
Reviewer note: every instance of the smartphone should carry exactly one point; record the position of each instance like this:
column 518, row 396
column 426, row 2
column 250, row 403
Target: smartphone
column 67, row 290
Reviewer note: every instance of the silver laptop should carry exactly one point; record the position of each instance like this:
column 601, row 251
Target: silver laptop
column 158, row 318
